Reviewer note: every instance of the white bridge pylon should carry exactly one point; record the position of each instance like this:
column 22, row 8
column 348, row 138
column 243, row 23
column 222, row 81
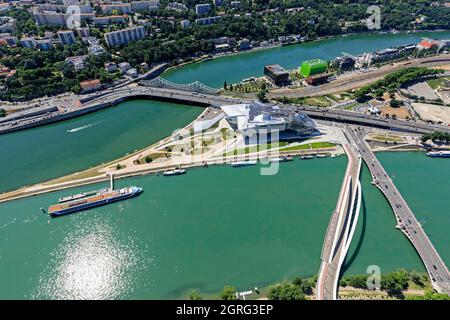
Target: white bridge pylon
column 340, row 230
column 349, row 231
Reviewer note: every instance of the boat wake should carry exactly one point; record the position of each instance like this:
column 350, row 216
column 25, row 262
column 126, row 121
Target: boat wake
column 81, row 128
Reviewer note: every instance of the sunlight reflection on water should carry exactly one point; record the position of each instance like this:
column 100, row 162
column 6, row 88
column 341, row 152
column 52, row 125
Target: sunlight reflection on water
column 90, row 264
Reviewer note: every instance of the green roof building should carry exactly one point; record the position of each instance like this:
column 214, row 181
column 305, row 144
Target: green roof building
column 312, row 67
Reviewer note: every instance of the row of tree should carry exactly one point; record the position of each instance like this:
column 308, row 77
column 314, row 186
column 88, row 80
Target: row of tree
column 395, row 80
column 436, row 136
column 394, row 283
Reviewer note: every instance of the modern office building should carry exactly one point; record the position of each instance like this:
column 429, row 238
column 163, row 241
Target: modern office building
column 256, row 118
column 141, row 6
column 7, row 24
column 106, row 20
column 66, row 37
column 70, row 2
column 243, row 119
column 176, row 6
column 313, row 67
column 277, row 74
column 345, row 62
column 9, row 39
column 83, row 32
column 202, row 9
column 317, row 79
column 245, row 44
column 76, row 61
column 4, row 7
column 124, row 36
column 79, row 6
column 90, row 85
column 121, row 8
column 110, row 67
column 207, row 21
column 28, row 42
column 44, row 44
column 57, row 18
column 185, row 23
column 235, row 4
column 124, row 67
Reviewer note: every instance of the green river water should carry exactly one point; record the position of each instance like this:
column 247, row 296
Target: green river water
column 227, row 226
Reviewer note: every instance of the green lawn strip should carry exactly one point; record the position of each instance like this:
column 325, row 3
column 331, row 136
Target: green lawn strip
column 314, row 145
column 386, row 138
column 255, row 148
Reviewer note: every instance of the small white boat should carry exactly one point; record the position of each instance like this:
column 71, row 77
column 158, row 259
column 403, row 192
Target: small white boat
column 306, row 157
column 321, row 156
column 243, row 163
column 175, row 172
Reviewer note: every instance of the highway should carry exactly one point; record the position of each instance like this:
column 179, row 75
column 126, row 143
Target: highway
column 340, row 228
column 406, row 220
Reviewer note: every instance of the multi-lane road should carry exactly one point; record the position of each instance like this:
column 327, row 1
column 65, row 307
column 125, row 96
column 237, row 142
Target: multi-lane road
column 406, row 220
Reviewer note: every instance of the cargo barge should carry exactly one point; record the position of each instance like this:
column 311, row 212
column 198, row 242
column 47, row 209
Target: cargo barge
column 83, row 201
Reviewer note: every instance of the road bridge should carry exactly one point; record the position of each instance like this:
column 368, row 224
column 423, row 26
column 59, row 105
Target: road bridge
column 340, row 228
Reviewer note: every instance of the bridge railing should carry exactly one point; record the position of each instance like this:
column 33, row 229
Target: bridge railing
column 196, row 86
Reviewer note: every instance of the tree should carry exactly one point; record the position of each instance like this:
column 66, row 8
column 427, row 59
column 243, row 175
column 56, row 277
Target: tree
column 228, row 293
column 297, row 282
column 416, row 278
column 307, row 287
column 286, row 291
column 395, row 103
column 194, row 295
column 395, row 282
column 225, row 85
column 2, row 113
column 148, row 159
column 430, row 295
column 358, row 281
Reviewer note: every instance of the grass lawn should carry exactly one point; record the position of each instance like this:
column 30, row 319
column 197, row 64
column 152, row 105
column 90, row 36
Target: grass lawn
column 255, row 148
column 152, row 156
column 352, row 106
column 435, row 83
column 382, row 137
column 314, row 145
column 90, row 173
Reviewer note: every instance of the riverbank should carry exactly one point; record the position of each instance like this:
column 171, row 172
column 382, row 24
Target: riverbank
column 418, row 288
column 71, row 182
